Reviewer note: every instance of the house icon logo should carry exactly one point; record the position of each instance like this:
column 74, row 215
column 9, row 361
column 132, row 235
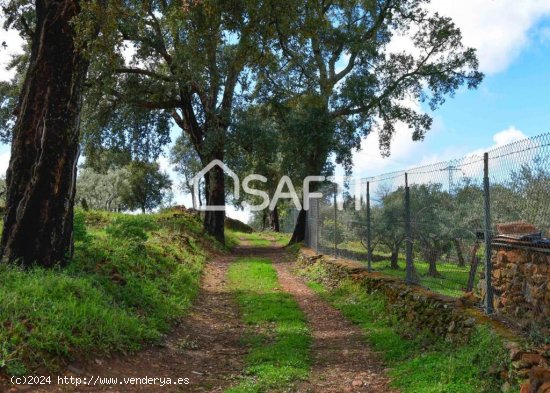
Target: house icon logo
column 196, row 184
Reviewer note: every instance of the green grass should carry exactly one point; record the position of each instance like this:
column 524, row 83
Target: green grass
column 254, row 239
column 452, row 281
column 131, row 277
column 278, row 336
column 418, row 361
column 281, row 239
column 259, row 239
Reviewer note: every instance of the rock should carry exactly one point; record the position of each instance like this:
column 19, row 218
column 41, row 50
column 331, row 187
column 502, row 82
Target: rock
column 515, row 353
column 505, row 387
column 452, row 326
column 516, row 227
column 532, row 359
column 519, row 364
column 545, row 388
column 74, row 369
column 539, row 374
column 525, row 388
column 357, row 383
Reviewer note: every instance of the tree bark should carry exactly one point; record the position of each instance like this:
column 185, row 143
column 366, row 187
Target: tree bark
column 274, row 220
column 264, row 219
column 394, row 257
column 299, row 234
column 432, row 262
column 459, row 253
column 38, row 222
column 215, row 196
column 474, row 262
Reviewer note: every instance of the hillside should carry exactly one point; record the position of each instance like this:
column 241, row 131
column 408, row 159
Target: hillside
column 131, row 278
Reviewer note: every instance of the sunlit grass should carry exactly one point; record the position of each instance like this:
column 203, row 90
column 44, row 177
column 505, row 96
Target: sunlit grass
column 261, row 239
column 452, row 280
column 131, row 277
column 278, row 336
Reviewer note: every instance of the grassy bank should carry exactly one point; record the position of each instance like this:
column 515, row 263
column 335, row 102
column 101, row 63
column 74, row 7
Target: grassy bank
column 257, row 239
column 130, row 278
column 419, row 362
column 278, row 336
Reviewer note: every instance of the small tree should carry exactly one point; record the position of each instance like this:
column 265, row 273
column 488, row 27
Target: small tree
column 103, row 191
column 389, row 227
column 431, row 213
column 148, row 186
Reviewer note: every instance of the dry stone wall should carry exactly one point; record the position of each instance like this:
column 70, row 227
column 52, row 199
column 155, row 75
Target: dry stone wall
column 521, row 282
column 520, row 290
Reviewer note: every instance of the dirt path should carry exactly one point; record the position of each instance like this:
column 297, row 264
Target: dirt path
column 342, row 362
column 204, row 347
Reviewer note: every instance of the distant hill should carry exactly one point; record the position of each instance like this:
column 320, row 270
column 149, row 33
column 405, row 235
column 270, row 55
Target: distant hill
column 236, row 225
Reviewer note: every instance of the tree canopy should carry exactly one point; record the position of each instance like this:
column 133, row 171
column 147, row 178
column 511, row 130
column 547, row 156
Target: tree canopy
column 286, row 87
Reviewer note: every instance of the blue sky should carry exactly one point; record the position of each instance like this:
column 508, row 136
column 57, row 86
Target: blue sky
column 513, row 42
column 513, row 102
column 518, row 96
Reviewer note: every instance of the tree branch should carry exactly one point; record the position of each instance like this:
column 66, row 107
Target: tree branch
column 140, row 71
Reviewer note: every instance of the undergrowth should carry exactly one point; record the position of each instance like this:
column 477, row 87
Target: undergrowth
column 130, row 278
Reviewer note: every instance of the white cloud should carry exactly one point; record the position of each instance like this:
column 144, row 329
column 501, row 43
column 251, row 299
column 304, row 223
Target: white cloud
column 14, row 43
column 369, row 161
column 509, row 135
column 498, row 29
column 407, row 154
column 4, row 162
column 501, row 138
column 404, row 151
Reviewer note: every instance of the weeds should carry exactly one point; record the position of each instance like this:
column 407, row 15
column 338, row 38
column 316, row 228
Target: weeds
column 130, row 278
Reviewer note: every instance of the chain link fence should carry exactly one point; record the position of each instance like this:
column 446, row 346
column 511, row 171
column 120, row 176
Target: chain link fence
column 433, row 225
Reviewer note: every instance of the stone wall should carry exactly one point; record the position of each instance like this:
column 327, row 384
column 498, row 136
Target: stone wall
column 414, row 306
column 521, row 286
column 455, row 318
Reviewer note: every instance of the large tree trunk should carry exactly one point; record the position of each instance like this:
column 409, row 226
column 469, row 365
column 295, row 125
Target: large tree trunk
column 215, row 196
column 299, row 234
column 38, row 221
column 394, row 257
column 274, row 220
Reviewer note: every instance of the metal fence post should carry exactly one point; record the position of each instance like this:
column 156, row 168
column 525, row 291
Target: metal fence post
column 318, row 223
column 369, row 247
column 488, row 236
column 309, row 228
column 408, row 234
column 335, row 218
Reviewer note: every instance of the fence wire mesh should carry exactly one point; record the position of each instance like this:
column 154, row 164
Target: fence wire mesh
column 430, row 225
